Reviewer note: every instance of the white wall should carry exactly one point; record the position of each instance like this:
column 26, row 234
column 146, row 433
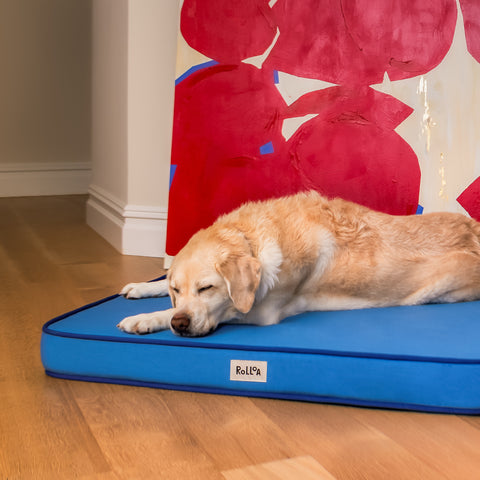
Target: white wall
column 45, row 87
column 134, row 53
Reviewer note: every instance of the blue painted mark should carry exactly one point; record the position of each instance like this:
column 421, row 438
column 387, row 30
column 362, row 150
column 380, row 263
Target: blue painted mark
column 276, row 80
column 173, row 169
column 194, row 69
column 267, row 148
column 419, row 210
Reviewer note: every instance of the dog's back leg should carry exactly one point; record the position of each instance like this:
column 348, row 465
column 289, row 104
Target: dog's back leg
column 454, row 279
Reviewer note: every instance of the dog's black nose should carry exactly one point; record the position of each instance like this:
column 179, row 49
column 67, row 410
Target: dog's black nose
column 180, row 322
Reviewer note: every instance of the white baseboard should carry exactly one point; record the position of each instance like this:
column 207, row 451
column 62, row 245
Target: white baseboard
column 105, row 216
column 131, row 229
column 38, row 179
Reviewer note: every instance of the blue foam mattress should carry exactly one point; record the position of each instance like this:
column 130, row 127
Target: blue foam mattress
column 424, row 358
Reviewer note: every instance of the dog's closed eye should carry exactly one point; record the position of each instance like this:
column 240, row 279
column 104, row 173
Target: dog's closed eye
column 205, row 288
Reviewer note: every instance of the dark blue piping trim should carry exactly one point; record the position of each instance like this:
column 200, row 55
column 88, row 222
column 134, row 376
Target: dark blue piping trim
column 46, row 326
column 275, row 395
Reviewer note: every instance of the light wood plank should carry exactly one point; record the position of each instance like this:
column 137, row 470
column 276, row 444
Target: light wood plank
column 232, row 430
column 299, row 468
column 346, row 447
column 436, row 436
column 139, row 435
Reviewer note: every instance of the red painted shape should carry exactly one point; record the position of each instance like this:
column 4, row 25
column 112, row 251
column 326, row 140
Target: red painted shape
column 350, row 149
column 469, row 199
column 471, row 20
column 223, row 115
column 228, row 31
column 227, row 109
column 362, row 102
column 354, row 42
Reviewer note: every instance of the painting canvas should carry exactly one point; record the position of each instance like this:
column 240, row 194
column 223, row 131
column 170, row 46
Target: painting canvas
column 374, row 101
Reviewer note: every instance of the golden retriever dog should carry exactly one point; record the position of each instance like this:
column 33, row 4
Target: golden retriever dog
column 269, row 260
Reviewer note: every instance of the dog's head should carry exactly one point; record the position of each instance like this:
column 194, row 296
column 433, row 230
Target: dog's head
column 213, row 279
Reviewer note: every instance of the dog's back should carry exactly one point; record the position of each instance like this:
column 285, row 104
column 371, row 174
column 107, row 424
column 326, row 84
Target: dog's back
column 346, row 255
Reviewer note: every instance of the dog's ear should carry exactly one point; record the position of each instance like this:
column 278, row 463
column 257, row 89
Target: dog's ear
column 242, row 276
column 172, row 298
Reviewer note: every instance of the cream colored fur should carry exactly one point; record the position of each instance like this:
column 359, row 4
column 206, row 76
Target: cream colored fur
column 268, row 260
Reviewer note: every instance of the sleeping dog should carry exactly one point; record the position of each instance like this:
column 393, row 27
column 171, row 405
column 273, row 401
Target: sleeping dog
column 269, row 260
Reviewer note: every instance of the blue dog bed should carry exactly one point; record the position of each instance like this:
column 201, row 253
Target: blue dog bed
column 424, row 358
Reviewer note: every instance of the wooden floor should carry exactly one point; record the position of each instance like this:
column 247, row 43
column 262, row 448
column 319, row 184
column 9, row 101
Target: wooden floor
column 50, row 263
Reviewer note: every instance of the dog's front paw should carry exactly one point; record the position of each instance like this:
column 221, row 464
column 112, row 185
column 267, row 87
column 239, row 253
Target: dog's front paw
column 134, row 290
column 145, row 289
column 141, row 324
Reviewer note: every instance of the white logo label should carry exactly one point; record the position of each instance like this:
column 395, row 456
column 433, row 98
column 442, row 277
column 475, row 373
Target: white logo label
column 248, row 371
